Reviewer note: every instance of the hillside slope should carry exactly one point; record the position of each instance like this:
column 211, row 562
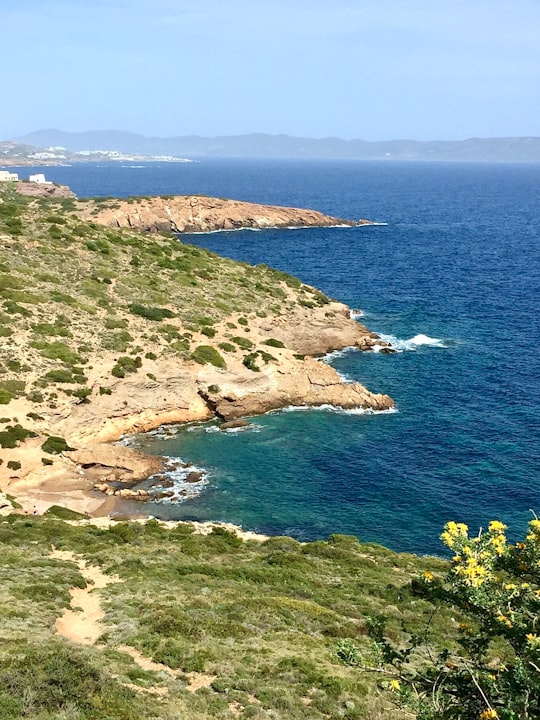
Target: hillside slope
column 106, row 332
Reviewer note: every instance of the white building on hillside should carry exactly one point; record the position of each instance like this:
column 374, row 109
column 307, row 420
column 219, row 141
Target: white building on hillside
column 6, row 176
column 39, row 178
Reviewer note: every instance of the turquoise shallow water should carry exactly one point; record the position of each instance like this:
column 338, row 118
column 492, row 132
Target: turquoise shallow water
column 458, row 262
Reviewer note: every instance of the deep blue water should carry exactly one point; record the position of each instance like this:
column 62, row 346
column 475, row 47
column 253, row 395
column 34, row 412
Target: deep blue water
column 459, row 262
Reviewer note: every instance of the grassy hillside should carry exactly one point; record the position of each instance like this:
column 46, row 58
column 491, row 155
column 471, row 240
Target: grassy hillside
column 239, row 628
column 194, row 626
column 74, row 293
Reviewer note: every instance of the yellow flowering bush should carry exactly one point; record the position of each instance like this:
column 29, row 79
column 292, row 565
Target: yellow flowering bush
column 492, row 672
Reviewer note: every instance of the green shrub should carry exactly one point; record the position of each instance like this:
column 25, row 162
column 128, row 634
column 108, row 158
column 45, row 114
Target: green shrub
column 181, row 346
column 55, row 219
column 5, row 396
column 242, row 342
column 125, row 365
column 35, row 396
column 228, row 347
column 50, row 330
column 105, row 391
column 250, row 362
column 14, row 465
column 112, row 323
column 150, row 313
column 207, row 354
column 62, row 513
column 64, row 376
column 208, row 331
column 151, row 356
column 272, row 342
column 55, row 445
column 82, row 394
column 46, row 461
column 15, row 387
column 492, row 672
column 118, row 341
column 57, row 351
column 13, row 435
column 242, row 321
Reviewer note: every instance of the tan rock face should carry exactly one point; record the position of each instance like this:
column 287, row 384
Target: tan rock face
column 33, row 189
column 193, row 213
column 304, row 383
column 124, row 464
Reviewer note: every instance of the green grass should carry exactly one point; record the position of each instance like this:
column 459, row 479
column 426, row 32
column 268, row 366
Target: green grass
column 264, row 619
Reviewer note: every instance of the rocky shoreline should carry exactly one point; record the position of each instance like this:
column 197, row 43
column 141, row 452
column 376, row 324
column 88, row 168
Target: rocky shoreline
column 181, row 393
column 200, row 214
column 89, row 358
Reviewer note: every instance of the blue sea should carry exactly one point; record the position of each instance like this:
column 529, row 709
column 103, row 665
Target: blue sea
column 452, row 277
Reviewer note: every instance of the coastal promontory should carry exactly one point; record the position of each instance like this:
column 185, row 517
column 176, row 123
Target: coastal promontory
column 199, row 213
column 111, row 330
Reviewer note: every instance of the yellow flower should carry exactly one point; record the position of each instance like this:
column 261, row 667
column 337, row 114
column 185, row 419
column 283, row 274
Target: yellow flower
column 452, row 531
column 489, row 714
column 504, row 620
column 395, row 685
column 498, row 542
column 497, row 526
column 532, row 638
column 535, row 525
column 428, row 576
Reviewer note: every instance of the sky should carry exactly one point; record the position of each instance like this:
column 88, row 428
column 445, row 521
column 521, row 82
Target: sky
column 369, row 69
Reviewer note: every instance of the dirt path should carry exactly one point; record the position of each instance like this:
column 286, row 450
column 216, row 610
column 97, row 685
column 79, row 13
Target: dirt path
column 81, row 623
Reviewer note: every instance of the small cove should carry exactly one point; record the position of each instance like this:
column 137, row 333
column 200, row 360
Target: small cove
column 457, row 262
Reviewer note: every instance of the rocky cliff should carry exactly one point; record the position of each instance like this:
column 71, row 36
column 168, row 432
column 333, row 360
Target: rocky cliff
column 196, row 213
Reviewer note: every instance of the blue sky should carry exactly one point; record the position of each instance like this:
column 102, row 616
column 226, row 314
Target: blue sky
column 371, row 69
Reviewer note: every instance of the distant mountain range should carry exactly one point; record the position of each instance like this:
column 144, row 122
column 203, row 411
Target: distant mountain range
column 511, row 149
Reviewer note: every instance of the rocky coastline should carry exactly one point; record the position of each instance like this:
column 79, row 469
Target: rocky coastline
column 238, row 340
column 80, row 478
column 200, row 214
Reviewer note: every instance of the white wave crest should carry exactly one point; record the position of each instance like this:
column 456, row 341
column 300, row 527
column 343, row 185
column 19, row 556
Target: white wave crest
column 173, row 484
column 338, row 410
column 400, row 345
column 252, row 427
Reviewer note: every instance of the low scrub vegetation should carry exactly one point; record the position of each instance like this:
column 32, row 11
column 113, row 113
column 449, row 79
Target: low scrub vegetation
column 206, row 354
column 256, row 624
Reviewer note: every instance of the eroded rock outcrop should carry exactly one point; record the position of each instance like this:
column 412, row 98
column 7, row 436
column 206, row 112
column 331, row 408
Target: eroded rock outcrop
column 195, row 213
column 48, row 190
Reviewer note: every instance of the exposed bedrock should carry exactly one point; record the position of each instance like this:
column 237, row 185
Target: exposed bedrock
column 194, row 213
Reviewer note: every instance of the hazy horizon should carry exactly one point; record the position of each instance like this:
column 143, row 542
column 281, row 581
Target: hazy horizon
column 150, row 135
column 370, row 70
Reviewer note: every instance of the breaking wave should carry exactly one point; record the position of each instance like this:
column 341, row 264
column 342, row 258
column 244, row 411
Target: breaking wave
column 413, row 343
column 177, row 482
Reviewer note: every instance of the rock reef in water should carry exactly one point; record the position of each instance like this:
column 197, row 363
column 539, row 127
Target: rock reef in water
column 196, row 213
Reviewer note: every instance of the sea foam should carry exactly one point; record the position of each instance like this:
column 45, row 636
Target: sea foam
column 413, row 343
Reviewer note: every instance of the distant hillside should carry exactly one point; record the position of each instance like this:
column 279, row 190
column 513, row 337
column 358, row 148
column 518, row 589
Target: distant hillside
column 513, row 149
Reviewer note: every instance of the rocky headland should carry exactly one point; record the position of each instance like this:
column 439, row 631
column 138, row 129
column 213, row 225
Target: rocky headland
column 107, row 332
column 198, row 213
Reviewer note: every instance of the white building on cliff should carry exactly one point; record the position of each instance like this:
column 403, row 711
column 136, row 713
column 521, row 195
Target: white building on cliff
column 39, row 178
column 6, row 176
